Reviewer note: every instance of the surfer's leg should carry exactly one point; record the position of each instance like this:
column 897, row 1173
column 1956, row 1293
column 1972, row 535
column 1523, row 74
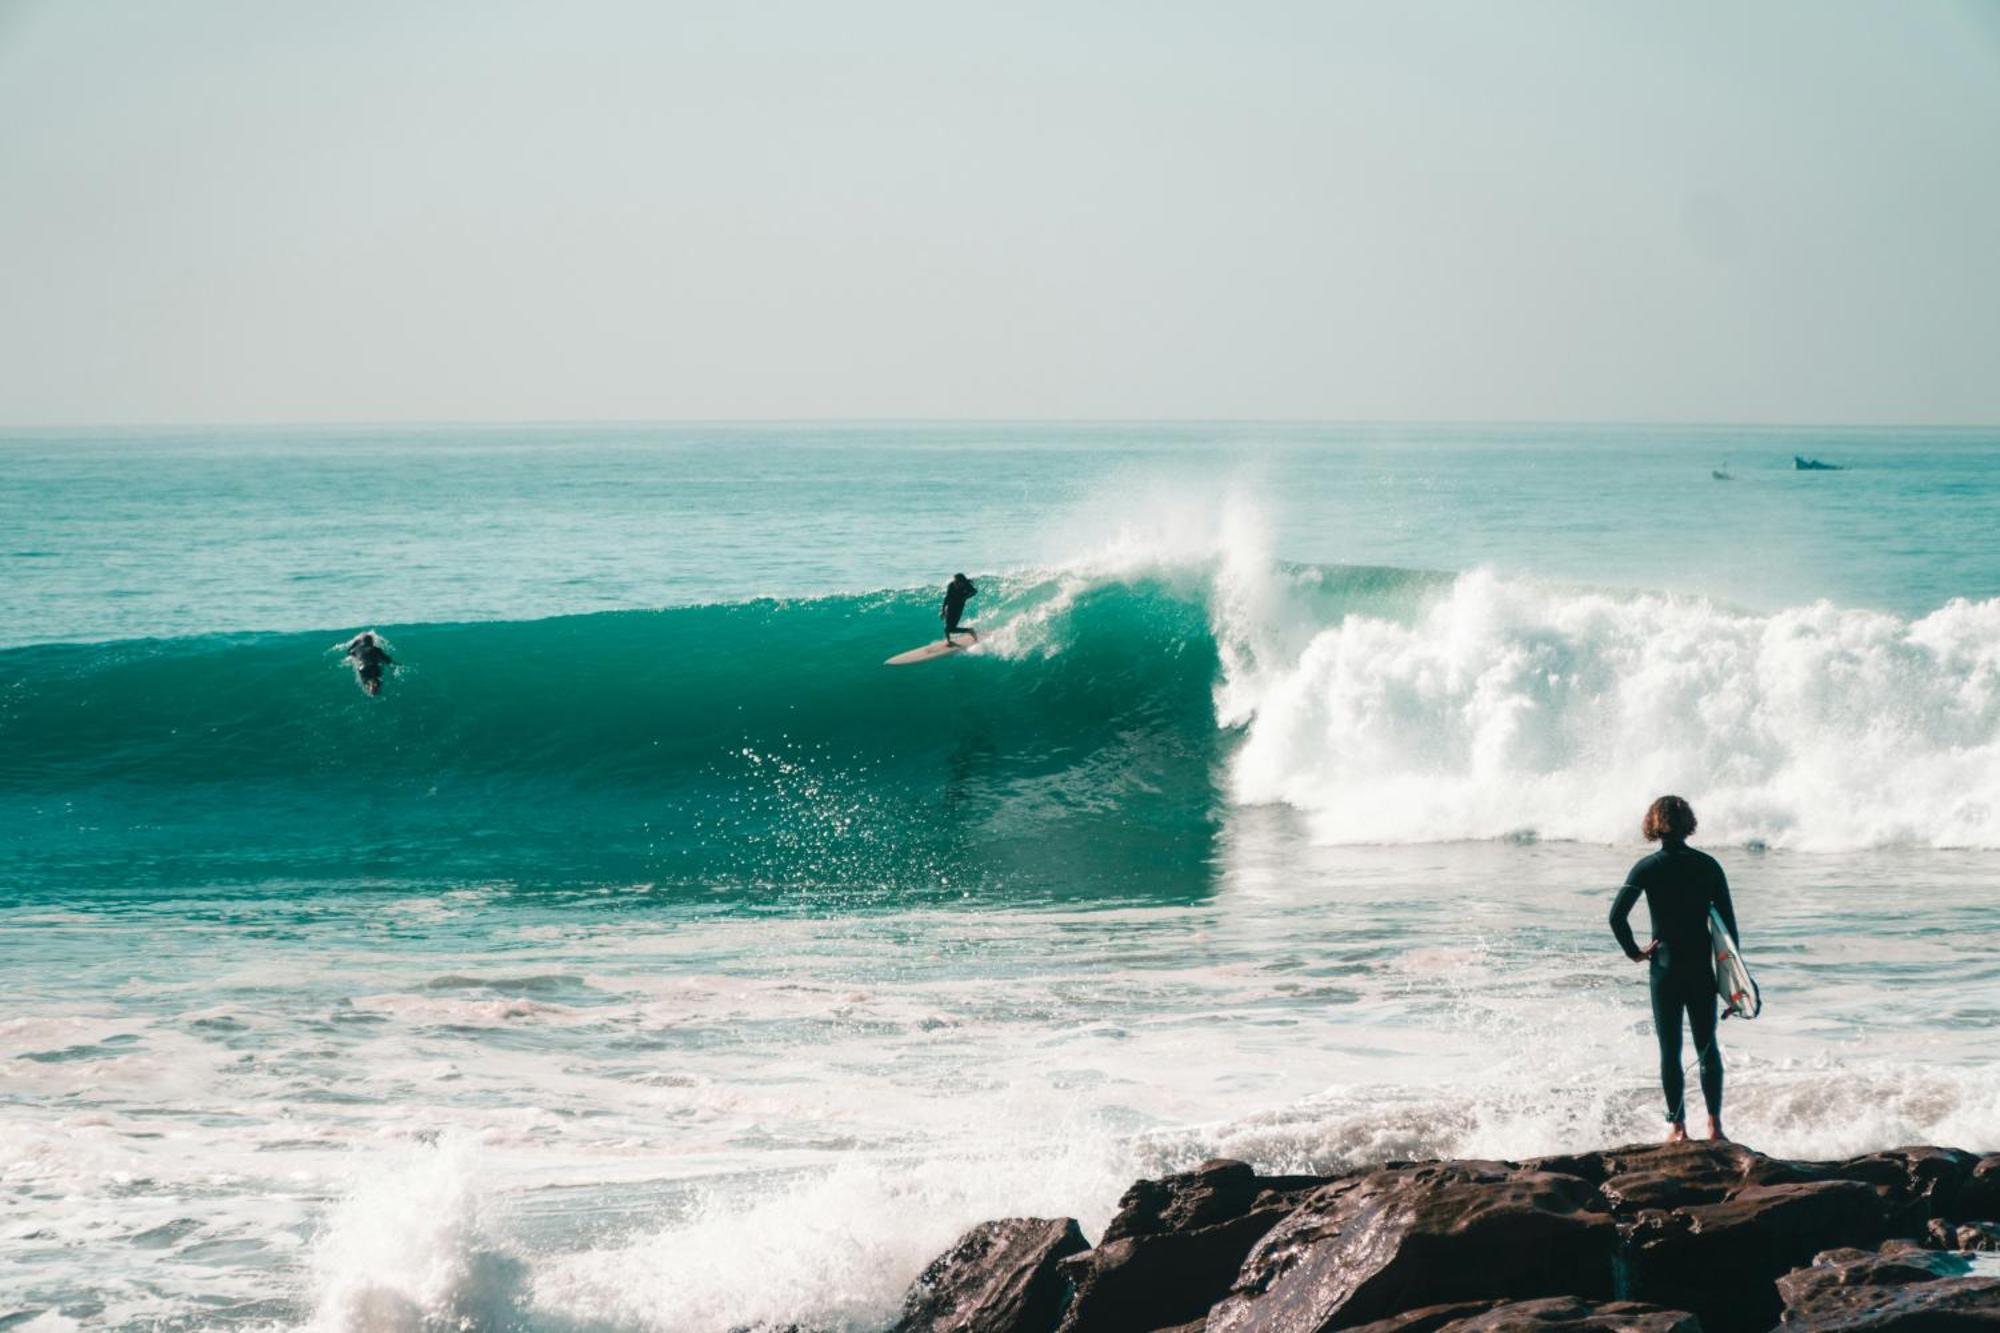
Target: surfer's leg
column 1701, row 1027
column 1667, row 1027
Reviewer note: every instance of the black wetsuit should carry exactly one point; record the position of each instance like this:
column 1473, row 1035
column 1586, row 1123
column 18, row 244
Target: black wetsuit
column 369, row 659
column 956, row 594
column 1680, row 885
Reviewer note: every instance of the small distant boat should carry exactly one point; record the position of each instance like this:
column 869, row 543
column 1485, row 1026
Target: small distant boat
column 1720, row 475
column 1800, row 463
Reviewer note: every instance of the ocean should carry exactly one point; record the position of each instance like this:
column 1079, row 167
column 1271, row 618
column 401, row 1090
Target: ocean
column 650, row 956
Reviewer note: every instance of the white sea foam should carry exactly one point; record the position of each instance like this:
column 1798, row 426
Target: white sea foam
column 1505, row 706
column 406, row 1251
column 497, row 1011
column 837, row 1248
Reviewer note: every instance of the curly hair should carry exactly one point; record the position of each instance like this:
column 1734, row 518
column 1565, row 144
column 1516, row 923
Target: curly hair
column 1670, row 817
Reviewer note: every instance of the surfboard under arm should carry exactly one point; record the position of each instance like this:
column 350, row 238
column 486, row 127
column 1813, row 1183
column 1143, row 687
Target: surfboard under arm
column 1733, row 981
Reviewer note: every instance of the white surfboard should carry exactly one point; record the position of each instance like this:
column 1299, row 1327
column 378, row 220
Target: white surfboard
column 934, row 649
column 1732, row 975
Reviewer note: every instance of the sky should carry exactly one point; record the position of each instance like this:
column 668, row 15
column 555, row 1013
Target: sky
column 270, row 210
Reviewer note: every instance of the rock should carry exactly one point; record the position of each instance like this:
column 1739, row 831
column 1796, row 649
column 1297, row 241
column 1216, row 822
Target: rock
column 1000, row 1277
column 1590, row 1166
column 1921, row 1182
column 1978, row 1237
column 1175, row 1247
column 1979, row 1197
column 1701, row 1233
column 1375, row 1245
column 1917, row 1182
column 1722, row 1260
column 1973, row 1237
column 1213, row 1192
column 1551, row 1312
column 1904, row 1290
column 1679, row 1175
column 1676, row 1175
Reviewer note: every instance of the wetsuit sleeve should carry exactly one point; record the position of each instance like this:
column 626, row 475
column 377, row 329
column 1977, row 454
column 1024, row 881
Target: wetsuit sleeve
column 971, row 589
column 1724, row 908
column 1621, row 924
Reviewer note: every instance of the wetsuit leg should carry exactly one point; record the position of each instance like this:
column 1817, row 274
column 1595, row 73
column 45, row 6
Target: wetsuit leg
column 1701, row 1001
column 951, row 623
column 1667, row 1008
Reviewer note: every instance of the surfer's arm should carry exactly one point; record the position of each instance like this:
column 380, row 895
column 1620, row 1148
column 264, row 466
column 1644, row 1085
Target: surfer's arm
column 1621, row 924
column 1725, row 908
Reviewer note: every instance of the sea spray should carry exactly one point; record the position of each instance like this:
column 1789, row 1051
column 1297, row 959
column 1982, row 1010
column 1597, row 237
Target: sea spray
column 407, row 1250
column 838, row 1246
column 1504, row 705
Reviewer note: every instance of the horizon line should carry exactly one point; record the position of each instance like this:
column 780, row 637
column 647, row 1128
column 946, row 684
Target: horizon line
column 495, row 423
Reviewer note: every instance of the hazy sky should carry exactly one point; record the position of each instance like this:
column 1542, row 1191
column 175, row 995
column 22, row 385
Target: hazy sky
column 223, row 210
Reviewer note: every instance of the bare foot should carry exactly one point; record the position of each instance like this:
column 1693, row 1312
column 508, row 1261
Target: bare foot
column 1715, row 1130
column 1678, row 1134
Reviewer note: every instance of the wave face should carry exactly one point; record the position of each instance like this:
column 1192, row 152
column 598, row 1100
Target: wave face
column 1094, row 743
column 717, row 748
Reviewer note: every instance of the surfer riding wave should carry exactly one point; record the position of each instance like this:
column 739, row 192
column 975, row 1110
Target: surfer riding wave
column 956, row 594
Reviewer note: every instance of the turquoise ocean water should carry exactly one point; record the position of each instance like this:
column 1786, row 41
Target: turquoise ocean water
column 650, row 956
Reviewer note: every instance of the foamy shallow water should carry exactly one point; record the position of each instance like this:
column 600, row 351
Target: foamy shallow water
column 587, row 1110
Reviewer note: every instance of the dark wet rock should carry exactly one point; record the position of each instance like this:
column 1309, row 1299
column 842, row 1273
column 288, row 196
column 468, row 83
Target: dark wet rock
column 1722, row 1260
column 1676, row 1175
column 1375, row 1245
column 1551, row 1312
column 1590, row 1166
column 1696, row 1231
column 1916, row 1183
column 1919, row 1183
column 1979, row 1197
column 1175, row 1247
column 1000, row 1277
column 1681, row 1175
column 1974, row 1237
column 1901, row 1289
column 1215, row 1191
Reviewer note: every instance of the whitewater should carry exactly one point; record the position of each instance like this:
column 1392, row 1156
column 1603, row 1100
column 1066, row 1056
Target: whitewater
column 649, row 956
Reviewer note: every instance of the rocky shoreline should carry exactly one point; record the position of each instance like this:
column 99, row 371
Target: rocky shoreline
column 1682, row 1238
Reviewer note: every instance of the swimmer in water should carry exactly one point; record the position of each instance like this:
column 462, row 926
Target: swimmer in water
column 369, row 657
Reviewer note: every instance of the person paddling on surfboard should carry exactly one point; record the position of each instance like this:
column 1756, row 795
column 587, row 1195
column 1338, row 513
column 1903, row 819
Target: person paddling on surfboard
column 956, row 594
column 369, row 655
column 1681, row 885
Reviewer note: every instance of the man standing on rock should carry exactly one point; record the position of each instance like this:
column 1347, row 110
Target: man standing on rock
column 1680, row 885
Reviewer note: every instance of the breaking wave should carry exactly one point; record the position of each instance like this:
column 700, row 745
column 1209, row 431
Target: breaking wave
column 1112, row 715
